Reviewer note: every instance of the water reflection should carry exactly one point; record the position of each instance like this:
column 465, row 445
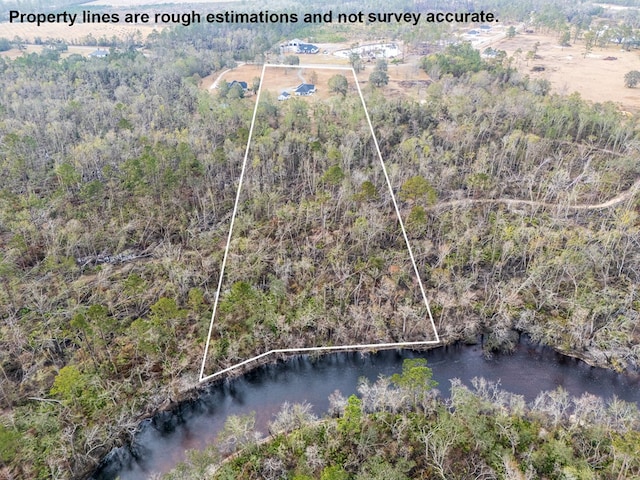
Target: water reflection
column 161, row 442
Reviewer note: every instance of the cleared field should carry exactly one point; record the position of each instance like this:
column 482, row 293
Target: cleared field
column 279, row 79
column 569, row 70
column 29, row 32
column 242, row 73
column 139, row 3
column 404, row 78
column 276, row 80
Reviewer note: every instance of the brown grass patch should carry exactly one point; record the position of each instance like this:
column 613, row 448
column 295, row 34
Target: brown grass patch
column 245, row 72
column 569, row 70
column 28, row 32
column 276, row 80
column 405, row 79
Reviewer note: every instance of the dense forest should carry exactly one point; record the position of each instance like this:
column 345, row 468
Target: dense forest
column 398, row 428
column 116, row 176
column 117, row 181
column 316, row 239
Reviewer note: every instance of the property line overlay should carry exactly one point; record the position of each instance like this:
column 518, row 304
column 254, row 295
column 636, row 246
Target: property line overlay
column 356, row 347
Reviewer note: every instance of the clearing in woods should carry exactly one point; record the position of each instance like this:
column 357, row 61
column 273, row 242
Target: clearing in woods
column 572, row 69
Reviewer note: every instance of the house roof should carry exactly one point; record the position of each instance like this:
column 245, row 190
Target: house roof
column 307, row 48
column 305, row 89
column 99, row 53
column 235, row 82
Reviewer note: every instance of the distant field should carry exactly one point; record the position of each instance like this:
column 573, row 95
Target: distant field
column 15, row 53
column 28, row 32
column 569, row 71
column 139, row 3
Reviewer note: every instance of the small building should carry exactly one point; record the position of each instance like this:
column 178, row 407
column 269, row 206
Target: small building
column 99, row 53
column 307, row 48
column 243, row 85
column 298, row 46
column 284, row 96
column 305, row 89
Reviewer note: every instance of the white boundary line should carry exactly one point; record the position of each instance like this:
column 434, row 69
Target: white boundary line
column 233, row 216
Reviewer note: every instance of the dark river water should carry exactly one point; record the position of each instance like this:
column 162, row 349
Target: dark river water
column 161, row 442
